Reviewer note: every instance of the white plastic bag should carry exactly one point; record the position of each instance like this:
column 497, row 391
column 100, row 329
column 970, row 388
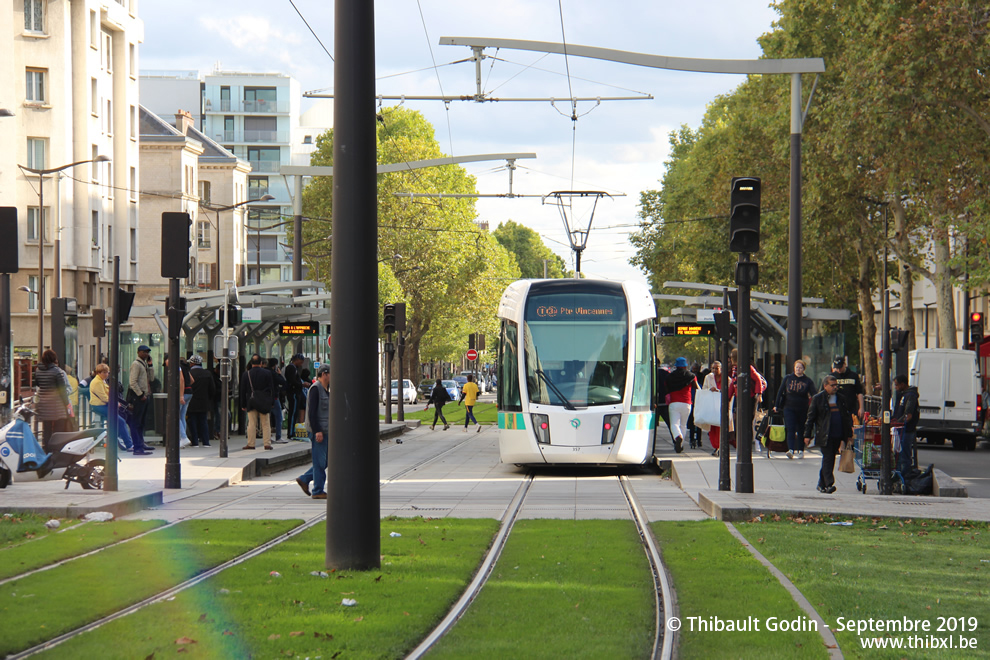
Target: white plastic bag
column 707, row 409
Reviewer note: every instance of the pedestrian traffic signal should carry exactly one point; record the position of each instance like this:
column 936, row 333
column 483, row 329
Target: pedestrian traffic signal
column 723, row 325
column 8, row 246
column 976, row 327
column 388, row 318
column 744, row 214
column 175, row 245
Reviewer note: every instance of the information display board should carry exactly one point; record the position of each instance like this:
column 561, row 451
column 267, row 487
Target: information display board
column 301, row 329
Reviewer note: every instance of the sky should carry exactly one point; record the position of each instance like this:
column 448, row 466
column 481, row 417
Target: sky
column 618, row 147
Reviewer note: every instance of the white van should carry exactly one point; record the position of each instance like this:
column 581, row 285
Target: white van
column 948, row 382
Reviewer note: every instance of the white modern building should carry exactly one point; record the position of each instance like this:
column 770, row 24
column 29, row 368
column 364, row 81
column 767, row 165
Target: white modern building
column 69, row 74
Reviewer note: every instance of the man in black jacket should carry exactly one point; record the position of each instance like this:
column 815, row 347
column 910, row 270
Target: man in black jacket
column 257, row 397
column 830, row 424
column 907, row 413
column 295, row 401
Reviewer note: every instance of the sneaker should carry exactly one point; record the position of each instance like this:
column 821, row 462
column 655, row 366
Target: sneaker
column 478, row 430
column 465, row 429
column 304, row 486
column 320, row 496
column 714, row 452
column 280, row 441
column 790, row 454
column 830, row 490
column 184, row 442
column 433, row 427
column 821, row 489
column 678, row 444
column 446, row 426
column 801, row 454
column 139, row 452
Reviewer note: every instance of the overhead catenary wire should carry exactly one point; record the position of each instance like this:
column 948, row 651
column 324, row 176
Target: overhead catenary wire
column 312, row 31
column 450, row 135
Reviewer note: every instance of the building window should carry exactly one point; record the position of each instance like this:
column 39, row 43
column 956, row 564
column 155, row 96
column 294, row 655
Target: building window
column 307, row 139
column 33, row 297
column 225, row 99
column 96, row 166
column 36, row 156
column 109, row 117
column 260, row 99
column 134, row 122
column 204, row 191
column 95, row 229
column 94, row 93
column 134, row 246
column 203, row 235
column 36, row 84
column 204, row 273
column 133, row 191
column 32, row 224
column 132, row 60
column 34, row 15
column 107, row 52
column 257, row 187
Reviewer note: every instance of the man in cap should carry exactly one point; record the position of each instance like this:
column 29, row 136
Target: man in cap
column 294, row 392
column 139, row 397
column 850, row 387
column 318, row 425
column 200, row 402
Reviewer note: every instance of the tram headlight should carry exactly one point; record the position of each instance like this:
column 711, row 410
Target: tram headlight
column 610, row 428
column 541, row 426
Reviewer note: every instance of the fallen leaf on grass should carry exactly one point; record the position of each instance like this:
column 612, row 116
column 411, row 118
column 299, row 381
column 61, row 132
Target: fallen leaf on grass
column 360, row 618
column 273, row 637
column 152, row 656
column 406, row 613
column 296, row 633
column 319, row 635
column 228, row 633
column 189, row 640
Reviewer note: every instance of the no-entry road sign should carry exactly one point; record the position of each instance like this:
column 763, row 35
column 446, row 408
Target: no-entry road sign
column 472, row 355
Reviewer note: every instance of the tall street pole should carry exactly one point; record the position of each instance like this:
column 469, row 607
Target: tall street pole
column 744, row 390
column 173, row 467
column 41, row 264
column 353, row 492
column 110, row 480
column 297, row 184
column 794, row 242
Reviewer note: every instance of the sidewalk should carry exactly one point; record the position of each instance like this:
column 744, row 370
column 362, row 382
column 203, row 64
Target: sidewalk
column 140, row 479
column 785, row 486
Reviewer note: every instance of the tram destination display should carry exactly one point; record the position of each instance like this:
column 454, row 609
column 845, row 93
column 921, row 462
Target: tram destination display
column 694, row 329
column 302, row 329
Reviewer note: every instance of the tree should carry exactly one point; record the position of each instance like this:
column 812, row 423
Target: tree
column 529, row 251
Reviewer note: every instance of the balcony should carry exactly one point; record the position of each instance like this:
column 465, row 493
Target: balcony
column 262, row 105
column 232, row 105
column 252, row 137
column 257, row 192
column 267, row 255
column 265, row 166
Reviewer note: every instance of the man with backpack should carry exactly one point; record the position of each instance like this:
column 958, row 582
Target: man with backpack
column 257, row 398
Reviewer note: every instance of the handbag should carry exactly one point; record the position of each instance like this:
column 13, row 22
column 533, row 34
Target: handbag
column 260, row 400
column 847, row 461
column 707, row 408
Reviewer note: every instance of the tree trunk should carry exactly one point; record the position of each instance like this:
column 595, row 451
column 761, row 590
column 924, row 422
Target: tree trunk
column 906, row 274
column 867, row 313
column 945, row 301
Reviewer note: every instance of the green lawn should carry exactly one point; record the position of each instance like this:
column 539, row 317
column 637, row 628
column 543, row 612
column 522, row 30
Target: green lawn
column 886, row 569
column 44, row 605
column 485, row 413
column 247, row 611
column 18, row 528
column 48, row 548
column 715, row 576
column 561, row 589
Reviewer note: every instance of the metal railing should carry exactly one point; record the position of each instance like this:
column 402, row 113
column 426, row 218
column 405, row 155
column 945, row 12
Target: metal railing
column 265, row 166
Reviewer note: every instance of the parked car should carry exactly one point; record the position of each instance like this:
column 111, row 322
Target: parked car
column 409, row 393
column 460, row 380
column 453, row 389
column 426, row 386
column 479, row 379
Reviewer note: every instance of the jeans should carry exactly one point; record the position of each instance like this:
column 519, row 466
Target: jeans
column 469, row 415
column 276, row 420
column 826, row 477
column 254, row 417
column 905, row 458
column 297, row 404
column 317, row 472
column 137, row 423
column 794, row 419
column 199, row 429
column 182, row 416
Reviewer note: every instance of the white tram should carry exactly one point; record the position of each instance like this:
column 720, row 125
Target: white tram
column 576, row 372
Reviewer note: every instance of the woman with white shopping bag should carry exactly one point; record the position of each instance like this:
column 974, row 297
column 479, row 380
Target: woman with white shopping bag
column 680, row 386
column 712, row 385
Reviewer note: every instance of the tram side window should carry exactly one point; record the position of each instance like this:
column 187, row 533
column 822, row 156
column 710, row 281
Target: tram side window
column 642, row 393
column 508, row 368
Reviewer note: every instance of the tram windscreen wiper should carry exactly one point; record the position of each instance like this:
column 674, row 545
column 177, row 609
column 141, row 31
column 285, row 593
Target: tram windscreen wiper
column 556, row 390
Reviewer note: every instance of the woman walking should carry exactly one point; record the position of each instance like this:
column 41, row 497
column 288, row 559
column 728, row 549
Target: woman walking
column 53, row 397
column 438, row 397
column 681, row 385
column 793, row 398
column 713, row 383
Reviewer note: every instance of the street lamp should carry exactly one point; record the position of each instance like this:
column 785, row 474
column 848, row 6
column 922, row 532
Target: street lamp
column 4, row 112
column 41, row 238
column 220, row 209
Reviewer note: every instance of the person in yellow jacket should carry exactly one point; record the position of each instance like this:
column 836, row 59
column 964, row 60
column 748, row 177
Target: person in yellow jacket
column 469, row 395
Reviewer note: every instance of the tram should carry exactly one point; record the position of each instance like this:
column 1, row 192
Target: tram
column 576, row 373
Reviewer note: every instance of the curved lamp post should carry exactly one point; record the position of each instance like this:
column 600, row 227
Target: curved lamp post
column 220, row 209
column 41, row 237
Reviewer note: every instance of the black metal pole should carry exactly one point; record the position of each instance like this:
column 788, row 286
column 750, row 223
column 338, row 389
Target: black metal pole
column 297, row 243
column 885, row 450
column 6, row 377
column 225, row 378
column 388, row 378
column 794, row 225
column 724, row 480
column 173, row 468
column 353, row 491
column 744, row 398
column 401, row 416
column 110, row 477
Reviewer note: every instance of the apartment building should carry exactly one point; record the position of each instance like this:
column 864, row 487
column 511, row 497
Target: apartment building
column 69, row 75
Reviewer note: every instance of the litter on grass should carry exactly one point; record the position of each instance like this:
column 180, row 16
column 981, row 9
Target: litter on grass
column 319, row 574
column 395, row 534
column 98, row 516
column 53, row 524
column 348, row 602
column 275, row 574
column 842, row 524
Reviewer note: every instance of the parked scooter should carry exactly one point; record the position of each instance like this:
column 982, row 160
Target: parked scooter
column 23, row 459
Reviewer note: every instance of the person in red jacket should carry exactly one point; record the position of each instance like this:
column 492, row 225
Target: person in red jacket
column 680, row 387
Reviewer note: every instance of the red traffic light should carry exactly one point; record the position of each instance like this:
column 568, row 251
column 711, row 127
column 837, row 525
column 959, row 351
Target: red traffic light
column 976, row 317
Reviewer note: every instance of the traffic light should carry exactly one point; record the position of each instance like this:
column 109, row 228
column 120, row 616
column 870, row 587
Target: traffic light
column 744, row 214
column 747, row 273
column 175, row 244
column 472, row 342
column 388, row 318
column 976, row 327
column 898, row 339
column 723, row 325
column 8, row 246
column 400, row 317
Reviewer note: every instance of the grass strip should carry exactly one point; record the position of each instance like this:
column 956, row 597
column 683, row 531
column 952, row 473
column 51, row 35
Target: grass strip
column 485, row 413
column 561, row 589
column 45, row 605
column 887, row 570
column 247, row 611
column 715, row 576
column 18, row 528
column 72, row 541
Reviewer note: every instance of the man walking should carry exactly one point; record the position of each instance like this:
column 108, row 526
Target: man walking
column 294, row 392
column 257, row 397
column 850, row 387
column 830, row 424
column 906, row 412
column 139, row 397
column 280, row 386
column 318, row 425
column 200, row 401
column 469, row 395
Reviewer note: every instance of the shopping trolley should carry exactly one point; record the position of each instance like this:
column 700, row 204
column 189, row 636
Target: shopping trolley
column 868, row 444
